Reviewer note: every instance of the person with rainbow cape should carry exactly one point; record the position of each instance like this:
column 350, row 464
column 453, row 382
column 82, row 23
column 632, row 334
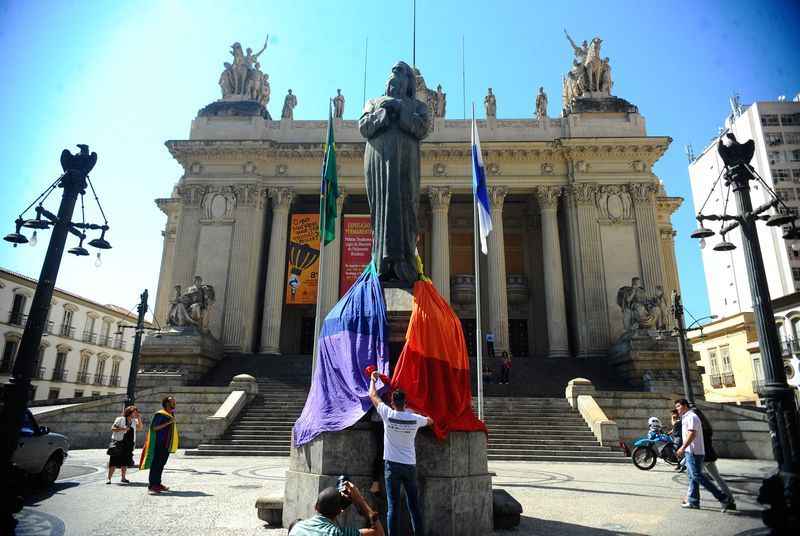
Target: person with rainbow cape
column 162, row 439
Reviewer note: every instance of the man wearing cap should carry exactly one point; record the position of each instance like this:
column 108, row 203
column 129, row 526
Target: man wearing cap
column 399, row 455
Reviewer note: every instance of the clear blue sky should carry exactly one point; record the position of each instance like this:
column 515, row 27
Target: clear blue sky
column 126, row 76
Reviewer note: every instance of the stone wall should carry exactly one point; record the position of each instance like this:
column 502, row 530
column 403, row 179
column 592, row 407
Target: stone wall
column 738, row 432
column 88, row 425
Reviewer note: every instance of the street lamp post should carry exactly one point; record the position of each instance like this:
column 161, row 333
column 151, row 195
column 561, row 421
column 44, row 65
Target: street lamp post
column 781, row 491
column 137, row 346
column 677, row 312
column 16, row 391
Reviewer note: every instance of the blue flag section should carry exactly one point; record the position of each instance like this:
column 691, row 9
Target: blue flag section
column 355, row 334
column 479, row 189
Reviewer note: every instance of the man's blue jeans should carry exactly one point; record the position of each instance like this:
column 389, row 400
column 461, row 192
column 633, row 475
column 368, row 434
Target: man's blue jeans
column 694, row 469
column 398, row 474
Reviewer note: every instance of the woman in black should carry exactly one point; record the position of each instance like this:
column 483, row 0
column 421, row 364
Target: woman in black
column 123, row 440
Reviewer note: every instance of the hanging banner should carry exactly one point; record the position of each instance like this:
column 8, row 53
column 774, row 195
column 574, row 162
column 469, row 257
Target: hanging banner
column 303, row 260
column 356, row 249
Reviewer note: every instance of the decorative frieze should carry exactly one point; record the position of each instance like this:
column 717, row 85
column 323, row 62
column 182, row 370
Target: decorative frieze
column 439, row 169
column 614, row 203
column 191, row 194
column 218, row 204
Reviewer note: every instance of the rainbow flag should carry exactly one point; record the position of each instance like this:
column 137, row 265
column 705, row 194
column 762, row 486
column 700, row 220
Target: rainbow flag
column 150, row 440
column 433, row 368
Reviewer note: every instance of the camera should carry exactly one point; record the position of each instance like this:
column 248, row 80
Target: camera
column 340, row 485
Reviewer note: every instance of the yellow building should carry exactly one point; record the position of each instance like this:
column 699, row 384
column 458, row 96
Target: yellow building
column 730, row 354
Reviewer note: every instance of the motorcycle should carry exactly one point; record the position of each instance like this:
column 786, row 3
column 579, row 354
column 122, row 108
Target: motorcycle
column 647, row 451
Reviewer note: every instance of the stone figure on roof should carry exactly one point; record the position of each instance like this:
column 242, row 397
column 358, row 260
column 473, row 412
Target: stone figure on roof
column 393, row 125
column 589, row 72
column 288, row 106
column 190, row 308
column 250, row 59
column 439, row 102
column 490, row 104
column 338, row 104
column 243, row 79
column 541, row 104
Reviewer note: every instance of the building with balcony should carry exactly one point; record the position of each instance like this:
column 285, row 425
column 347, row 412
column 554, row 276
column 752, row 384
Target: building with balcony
column 83, row 351
column 774, row 126
column 730, row 355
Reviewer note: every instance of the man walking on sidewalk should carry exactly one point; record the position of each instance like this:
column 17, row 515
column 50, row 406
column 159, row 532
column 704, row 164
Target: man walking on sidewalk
column 693, row 449
column 162, row 439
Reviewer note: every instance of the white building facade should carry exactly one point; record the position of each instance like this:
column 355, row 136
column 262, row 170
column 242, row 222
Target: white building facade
column 775, row 128
column 83, row 351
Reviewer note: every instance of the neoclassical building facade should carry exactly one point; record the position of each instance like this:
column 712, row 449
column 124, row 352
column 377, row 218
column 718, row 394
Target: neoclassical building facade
column 577, row 212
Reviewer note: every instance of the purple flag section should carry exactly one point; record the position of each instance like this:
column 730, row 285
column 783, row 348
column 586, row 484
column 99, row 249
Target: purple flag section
column 354, row 334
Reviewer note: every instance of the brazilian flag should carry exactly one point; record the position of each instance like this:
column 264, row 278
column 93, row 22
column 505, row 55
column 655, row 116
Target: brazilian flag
column 329, row 189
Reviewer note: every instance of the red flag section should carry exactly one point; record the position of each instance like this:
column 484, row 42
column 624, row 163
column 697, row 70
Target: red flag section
column 433, row 368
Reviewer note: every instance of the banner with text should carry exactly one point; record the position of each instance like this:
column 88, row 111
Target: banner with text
column 356, row 249
column 303, row 259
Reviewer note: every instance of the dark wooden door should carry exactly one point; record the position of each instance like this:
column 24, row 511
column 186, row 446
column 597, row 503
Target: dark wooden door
column 518, row 337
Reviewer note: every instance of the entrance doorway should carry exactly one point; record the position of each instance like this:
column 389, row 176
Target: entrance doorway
column 307, row 336
column 518, row 337
column 468, row 326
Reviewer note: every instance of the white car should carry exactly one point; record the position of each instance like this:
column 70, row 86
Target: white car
column 40, row 452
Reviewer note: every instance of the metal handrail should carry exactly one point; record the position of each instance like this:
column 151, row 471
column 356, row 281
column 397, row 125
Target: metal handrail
column 113, row 381
column 60, row 375
column 99, row 379
column 89, row 336
column 17, row 318
column 67, row 331
column 83, row 377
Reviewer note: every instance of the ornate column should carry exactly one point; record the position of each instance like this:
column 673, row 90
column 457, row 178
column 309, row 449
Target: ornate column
column 276, row 269
column 187, row 234
column 171, row 208
column 241, row 308
column 643, row 195
column 553, row 272
column 329, row 275
column 440, row 247
column 588, row 285
column 496, row 276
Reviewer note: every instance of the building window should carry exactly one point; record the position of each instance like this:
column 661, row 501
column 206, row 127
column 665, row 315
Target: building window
column 796, row 274
column 789, row 119
column 792, row 137
column 114, row 378
column 774, row 157
column 17, row 314
column 794, row 156
column 59, row 373
column 83, row 369
column 53, row 394
column 66, row 325
column 99, row 376
column 781, row 175
column 769, row 120
column 785, row 194
column 9, row 353
column 727, row 371
column 88, row 331
column 758, row 374
column 78, row 393
column 773, row 138
column 38, row 369
column 105, row 335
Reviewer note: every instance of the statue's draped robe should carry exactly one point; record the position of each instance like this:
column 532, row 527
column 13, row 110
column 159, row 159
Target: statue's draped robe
column 392, row 172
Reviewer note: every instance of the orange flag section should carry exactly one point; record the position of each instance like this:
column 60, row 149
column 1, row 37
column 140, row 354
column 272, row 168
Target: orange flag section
column 433, row 368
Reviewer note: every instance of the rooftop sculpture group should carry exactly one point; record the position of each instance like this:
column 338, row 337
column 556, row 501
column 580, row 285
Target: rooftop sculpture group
column 243, row 79
column 589, row 73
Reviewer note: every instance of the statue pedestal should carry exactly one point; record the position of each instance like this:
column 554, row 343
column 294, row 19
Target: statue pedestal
column 455, row 486
column 653, row 364
column 189, row 353
column 399, row 301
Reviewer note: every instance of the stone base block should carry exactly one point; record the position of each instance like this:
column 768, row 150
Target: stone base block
column 190, row 353
column 507, row 510
column 270, row 510
column 653, row 365
column 454, row 484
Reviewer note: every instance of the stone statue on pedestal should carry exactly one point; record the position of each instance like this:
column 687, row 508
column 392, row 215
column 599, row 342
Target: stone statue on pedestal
column 338, row 104
column 243, row 78
column 439, row 102
column 393, row 125
column 490, row 104
column 288, row 106
column 190, row 308
column 640, row 311
column 589, row 73
column 541, row 104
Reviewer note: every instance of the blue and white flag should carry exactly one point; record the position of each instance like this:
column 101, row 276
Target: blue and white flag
column 479, row 188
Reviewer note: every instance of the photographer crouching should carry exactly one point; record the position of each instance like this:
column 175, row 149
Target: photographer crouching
column 331, row 502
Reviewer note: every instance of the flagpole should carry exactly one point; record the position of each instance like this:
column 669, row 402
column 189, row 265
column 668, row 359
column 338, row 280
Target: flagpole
column 478, row 335
column 323, row 192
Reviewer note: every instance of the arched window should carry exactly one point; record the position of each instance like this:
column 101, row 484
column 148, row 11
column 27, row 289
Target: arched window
column 9, row 353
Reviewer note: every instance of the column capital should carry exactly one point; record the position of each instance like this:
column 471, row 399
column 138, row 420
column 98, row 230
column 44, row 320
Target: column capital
column 583, row 193
column 643, row 192
column 340, row 200
column 281, row 198
column 249, row 195
column 548, row 196
column 497, row 196
column 191, row 195
column 439, row 197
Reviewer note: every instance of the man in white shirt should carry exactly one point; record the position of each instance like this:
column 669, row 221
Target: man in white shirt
column 399, row 455
column 693, row 449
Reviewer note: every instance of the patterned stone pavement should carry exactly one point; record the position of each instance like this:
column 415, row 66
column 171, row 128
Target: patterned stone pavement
column 217, row 496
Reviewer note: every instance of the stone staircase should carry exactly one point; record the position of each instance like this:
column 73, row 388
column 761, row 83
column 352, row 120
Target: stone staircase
column 264, row 427
column 541, row 429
